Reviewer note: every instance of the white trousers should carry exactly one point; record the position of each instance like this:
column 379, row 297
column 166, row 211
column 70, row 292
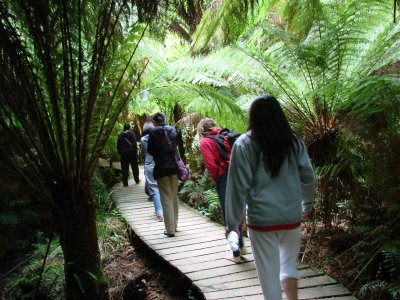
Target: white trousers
column 275, row 255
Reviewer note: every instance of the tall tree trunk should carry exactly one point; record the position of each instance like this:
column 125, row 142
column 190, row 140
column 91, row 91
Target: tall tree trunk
column 84, row 276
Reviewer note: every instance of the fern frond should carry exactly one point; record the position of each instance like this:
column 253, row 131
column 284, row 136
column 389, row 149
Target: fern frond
column 222, row 23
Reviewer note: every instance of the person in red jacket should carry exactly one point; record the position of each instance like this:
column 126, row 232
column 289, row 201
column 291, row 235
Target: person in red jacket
column 212, row 159
column 216, row 167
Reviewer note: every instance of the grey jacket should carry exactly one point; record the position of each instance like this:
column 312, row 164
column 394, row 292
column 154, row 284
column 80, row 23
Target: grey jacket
column 270, row 201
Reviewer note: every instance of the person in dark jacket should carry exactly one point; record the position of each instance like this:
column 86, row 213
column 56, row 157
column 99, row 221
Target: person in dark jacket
column 162, row 146
column 127, row 148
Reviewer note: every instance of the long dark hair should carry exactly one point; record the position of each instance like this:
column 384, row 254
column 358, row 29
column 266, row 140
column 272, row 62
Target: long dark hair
column 271, row 131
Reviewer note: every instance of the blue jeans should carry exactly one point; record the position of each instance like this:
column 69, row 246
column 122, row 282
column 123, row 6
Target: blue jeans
column 221, row 191
column 157, row 204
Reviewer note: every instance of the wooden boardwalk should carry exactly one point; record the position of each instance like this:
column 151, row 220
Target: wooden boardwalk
column 198, row 251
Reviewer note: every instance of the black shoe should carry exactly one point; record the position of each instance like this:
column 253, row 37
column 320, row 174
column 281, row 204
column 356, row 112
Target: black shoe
column 137, row 181
column 169, row 234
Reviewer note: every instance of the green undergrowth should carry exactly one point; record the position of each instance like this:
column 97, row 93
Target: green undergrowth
column 377, row 263
column 111, row 226
column 23, row 283
column 200, row 193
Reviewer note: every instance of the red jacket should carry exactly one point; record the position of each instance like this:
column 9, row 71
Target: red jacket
column 212, row 157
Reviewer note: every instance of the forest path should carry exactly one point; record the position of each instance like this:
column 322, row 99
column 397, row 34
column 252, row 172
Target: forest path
column 198, row 251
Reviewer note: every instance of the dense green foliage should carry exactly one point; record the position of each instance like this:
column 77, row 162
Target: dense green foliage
column 23, row 283
column 63, row 83
column 334, row 65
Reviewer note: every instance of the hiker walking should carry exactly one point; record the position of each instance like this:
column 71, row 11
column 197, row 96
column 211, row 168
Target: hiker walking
column 151, row 187
column 127, row 148
column 215, row 151
column 271, row 179
column 162, row 146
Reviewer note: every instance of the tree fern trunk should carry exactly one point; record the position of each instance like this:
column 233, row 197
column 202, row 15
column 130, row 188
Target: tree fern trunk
column 84, row 276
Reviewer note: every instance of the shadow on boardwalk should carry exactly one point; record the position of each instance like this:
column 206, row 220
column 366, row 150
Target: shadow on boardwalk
column 198, row 251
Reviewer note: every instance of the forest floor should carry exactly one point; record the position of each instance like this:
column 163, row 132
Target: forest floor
column 330, row 250
column 136, row 272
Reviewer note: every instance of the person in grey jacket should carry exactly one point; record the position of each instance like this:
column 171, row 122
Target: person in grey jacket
column 150, row 183
column 270, row 181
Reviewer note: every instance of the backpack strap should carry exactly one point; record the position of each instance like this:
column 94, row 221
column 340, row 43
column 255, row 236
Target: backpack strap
column 222, row 151
column 224, row 130
column 130, row 144
column 170, row 147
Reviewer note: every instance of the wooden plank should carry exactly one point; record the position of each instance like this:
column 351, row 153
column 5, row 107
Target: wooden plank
column 193, row 246
column 181, row 223
column 184, row 237
column 184, row 234
column 212, row 264
column 184, row 228
column 254, row 292
column 214, row 282
column 323, row 291
column 128, row 206
column 253, row 281
column 315, row 281
column 195, row 252
column 253, row 297
column 211, row 257
column 182, row 231
column 136, row 209
column 218, row 275
column 215, row 272
column 308, row 272
column 204, row 242
column 243, row 292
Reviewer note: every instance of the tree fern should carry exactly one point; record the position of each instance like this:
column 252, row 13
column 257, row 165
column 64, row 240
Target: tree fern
column 327, row 75
column 62, row 88
column 204, row 85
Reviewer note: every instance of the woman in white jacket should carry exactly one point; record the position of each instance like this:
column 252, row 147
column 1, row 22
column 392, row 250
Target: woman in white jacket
column 272, row 182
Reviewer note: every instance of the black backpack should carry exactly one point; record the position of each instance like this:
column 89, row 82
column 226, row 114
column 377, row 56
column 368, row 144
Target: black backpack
column 225, row 140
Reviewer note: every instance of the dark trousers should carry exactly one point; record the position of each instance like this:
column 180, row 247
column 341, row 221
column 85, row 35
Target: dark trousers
column 221, row 190
column 129, row 158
